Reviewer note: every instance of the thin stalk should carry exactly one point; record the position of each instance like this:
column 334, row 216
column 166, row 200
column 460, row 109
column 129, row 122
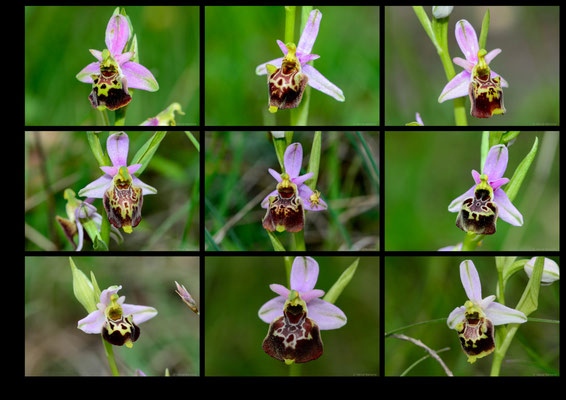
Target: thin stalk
column 290, row 23
column 120, row 116
column 299, row 240
column 104, row 115
column 499, row 353
column 110, row 357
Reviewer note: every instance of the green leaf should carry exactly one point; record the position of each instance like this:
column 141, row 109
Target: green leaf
column 280, row 146
column 529, row 300
column 512, row 188
column 314, row 161
column 425, row 22
column 193, row 140
column 83, row 288
column 484, row 148
column 484, row 29
column 336, row 289
column 146, row 152
column 508, row 136
column 93, row 139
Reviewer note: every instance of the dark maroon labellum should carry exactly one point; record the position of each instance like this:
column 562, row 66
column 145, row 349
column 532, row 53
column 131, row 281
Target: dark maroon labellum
column 293, row 337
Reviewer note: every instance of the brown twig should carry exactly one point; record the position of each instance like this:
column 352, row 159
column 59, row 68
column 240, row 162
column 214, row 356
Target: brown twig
column 428, row 349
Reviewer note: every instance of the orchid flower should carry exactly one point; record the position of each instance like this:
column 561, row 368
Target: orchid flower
column 122, row 192
column 483, row 203
column 187, row 298
column 297, row 316
column 118, row 322
column 286, row 204
column 288, row 76
column 115, row 72
column 476, row 80
column 165, row 117
column 83, row 216
column 475, row 320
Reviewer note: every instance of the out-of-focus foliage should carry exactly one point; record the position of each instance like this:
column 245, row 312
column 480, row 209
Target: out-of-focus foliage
column 425, row 171
column 529, row 62
column 237, row 180
column 59, row 160
column 234, row 333
column 420, row 289
column 238, row 39
column 57, row 43
column 55, row 346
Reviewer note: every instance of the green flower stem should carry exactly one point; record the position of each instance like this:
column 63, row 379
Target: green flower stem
column 437, row 31
column 527, row 305
column 440, row 26
column 104, row 115
column 290, row 23
column 471, row 241
column 300, row 115
column 120, row 116
column 110, row 357
column 299, row 241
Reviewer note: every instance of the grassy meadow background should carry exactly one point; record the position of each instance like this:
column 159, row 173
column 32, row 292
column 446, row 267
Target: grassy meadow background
column 58, row 160
column 236, row 288
column 420, row 289
column 57, row 43
column 237, row 180
column 425, row 171
column 529, row 62
column 54, row 345
column 238, row 39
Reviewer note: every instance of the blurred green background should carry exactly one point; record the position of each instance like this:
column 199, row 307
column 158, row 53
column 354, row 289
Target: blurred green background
column 425, row 171
column 59, row 160
column 238, row 39
column 529, row 62
column 54, row 345
column 419, row 289
column 237, row 180
column 57, row 43
column 237, row 287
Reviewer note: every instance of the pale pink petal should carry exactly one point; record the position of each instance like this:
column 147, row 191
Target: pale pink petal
column 117, row 34
column 262, row 69
column 304, row 274
column 139, row 313
column 293, row 159
column 456, row 204
column 319, row 82
column 310, row 32
column 496, row 162
column 272, row 309
column 467, row 40
column 279, row 289
column 470, row 280
column 457, row 87
column 86, row 72
column 326, row 315
column 507, row 211
column 117, row 146
column 139, row 77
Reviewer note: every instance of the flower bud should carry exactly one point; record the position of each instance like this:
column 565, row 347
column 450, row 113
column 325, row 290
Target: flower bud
column 550, row 272
column 442, row 11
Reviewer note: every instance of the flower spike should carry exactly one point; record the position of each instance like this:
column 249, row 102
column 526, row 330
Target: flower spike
column 474, row 321
column 288, row 76
column 477, row 80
